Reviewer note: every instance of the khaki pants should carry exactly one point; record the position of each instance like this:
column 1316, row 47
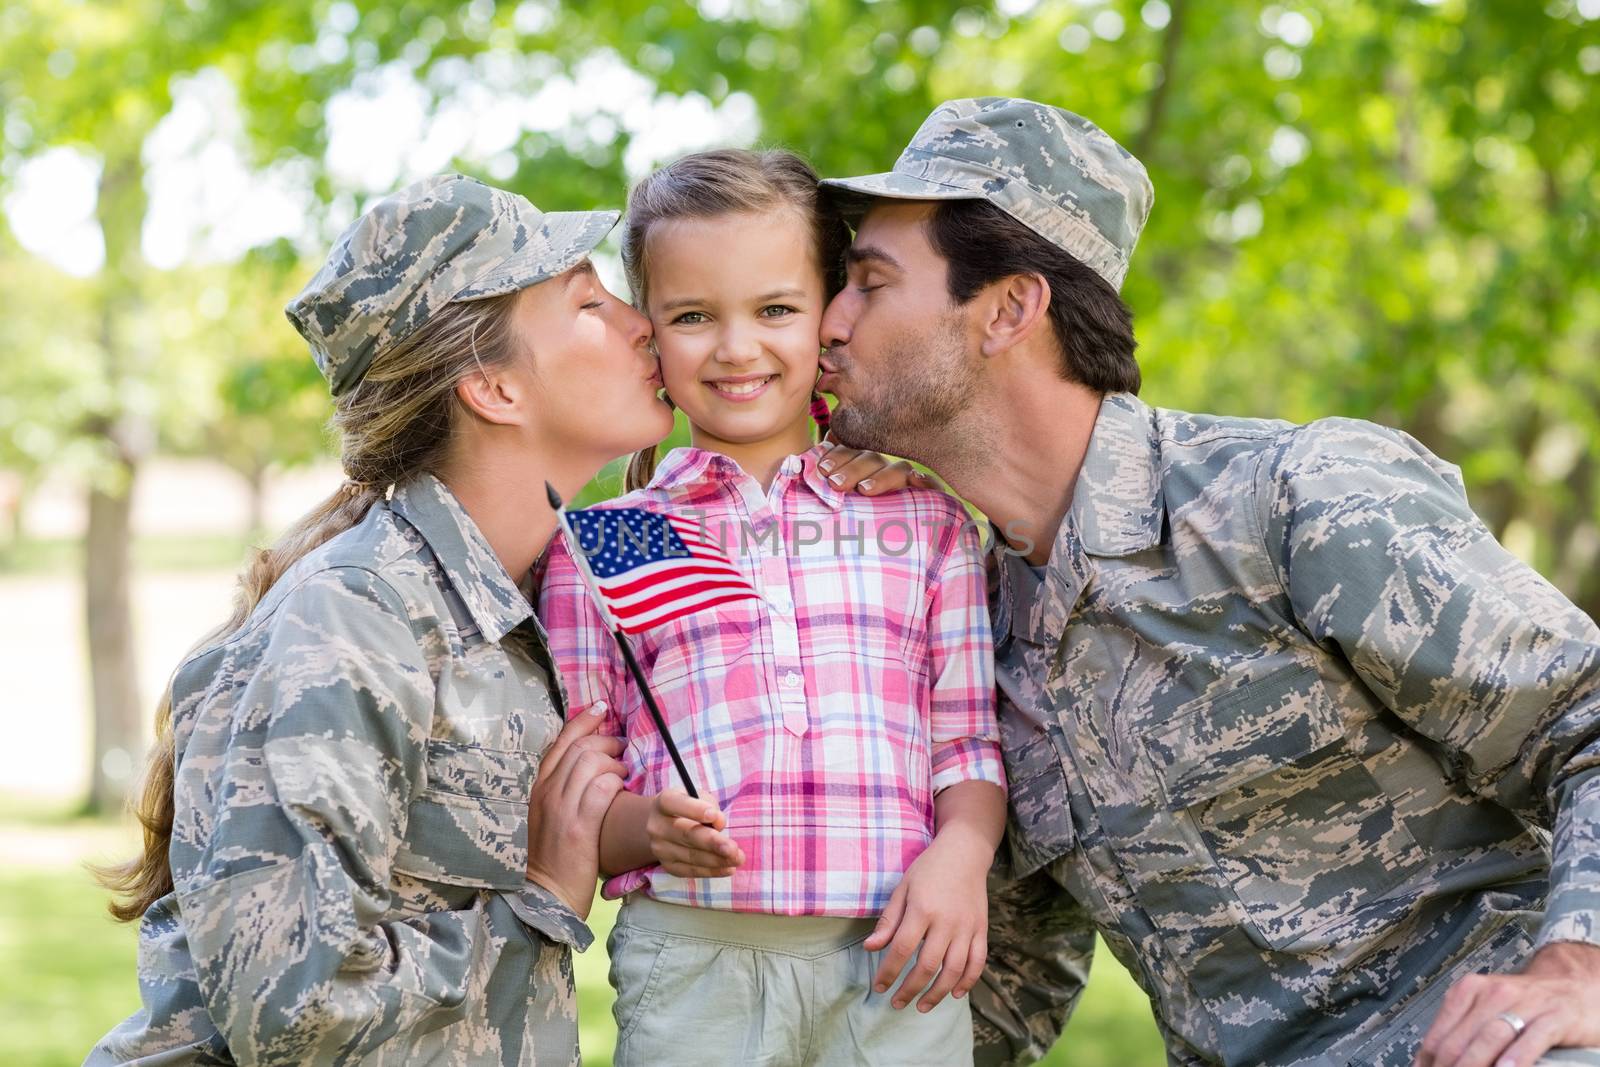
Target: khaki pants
column 704, row 988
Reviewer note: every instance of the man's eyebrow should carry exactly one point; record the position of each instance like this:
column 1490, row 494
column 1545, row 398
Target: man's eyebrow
column 868, row 254
column 584, row 269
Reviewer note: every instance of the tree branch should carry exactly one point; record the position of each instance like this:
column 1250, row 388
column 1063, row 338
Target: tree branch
column 1170, row 41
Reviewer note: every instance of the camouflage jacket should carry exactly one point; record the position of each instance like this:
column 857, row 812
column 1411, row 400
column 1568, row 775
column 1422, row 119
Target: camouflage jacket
column 353, row 770
column 1296, row 736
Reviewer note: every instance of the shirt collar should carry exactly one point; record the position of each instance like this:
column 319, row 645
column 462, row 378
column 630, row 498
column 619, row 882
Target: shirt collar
column 469, row 564
column 1117, row 503
column 829, row 493
column 1036, row 607
column 686, row 465
column 1117, row 510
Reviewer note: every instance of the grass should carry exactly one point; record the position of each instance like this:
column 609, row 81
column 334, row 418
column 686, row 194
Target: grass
column 70, row 969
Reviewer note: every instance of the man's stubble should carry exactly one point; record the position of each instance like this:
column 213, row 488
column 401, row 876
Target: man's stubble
column 919, row 403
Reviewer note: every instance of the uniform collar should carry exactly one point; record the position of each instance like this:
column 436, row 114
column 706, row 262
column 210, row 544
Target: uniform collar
column 1117, row 510
column 686, row 465
column 1035, row 606
column 1117, row 502
column 479, row 578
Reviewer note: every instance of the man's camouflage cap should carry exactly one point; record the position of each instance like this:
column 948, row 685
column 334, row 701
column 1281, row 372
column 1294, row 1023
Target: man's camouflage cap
column 441, row 240
column 1055, row 172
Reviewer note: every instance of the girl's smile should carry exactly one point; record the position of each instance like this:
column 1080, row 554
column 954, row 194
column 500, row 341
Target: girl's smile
column 742, row 389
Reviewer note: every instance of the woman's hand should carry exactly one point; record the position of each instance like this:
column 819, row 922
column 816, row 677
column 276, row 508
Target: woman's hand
column 688, row 837
column 870, row 473
column 578, row 777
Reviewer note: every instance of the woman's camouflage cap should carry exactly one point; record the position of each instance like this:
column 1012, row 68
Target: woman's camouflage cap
column 440, row 240
column 1055, row 172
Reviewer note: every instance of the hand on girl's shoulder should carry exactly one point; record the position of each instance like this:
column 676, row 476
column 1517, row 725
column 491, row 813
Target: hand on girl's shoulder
column 872, row 473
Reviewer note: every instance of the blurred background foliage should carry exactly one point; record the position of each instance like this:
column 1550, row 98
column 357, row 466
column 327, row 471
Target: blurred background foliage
column 1373, row 208
column 1377, row 209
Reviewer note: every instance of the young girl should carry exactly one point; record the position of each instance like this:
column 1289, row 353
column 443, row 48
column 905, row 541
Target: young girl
column 844, row 720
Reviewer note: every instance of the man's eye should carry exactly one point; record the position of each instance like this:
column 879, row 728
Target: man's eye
column 690, row 318
column 865, row 289
column 593, row 304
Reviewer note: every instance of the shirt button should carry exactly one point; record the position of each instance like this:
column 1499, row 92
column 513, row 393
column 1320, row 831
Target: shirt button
column 793, row 680
column 780, row 603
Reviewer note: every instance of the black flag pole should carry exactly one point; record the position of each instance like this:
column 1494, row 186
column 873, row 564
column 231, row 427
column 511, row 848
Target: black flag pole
column 615, row 627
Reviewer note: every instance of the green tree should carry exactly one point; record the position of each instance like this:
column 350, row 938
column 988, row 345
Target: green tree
column 257, row 403
column 1373, row 209
column 1378, row 210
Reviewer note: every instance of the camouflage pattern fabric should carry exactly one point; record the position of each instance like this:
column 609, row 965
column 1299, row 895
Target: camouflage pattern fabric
column 1287, row 726
column 439, row 240
column 1055, row 172
column 351, row 794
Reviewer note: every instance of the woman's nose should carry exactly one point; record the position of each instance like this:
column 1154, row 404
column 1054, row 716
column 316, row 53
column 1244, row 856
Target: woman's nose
column 635, row 325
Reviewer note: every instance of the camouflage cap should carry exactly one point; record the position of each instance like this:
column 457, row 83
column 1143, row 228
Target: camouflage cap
column 1055, row 172
column 440, row 240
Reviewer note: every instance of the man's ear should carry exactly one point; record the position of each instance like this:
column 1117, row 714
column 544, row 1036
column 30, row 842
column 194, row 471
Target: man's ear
column 1016, row 308
column 494, row 395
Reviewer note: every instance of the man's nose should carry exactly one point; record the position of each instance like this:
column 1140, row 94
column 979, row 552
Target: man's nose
column 836, row 317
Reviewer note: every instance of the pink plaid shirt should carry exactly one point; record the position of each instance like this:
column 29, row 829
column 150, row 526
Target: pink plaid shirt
column 824, row 717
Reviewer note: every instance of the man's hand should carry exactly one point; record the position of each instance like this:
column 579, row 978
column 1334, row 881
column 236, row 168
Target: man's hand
column 1556, row 997
column 941, row 904
column 870, row 473
column 689, row 838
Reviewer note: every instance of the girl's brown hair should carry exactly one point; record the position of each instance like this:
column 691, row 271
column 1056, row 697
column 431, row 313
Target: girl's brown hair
column 720, row 182
column 395, row 423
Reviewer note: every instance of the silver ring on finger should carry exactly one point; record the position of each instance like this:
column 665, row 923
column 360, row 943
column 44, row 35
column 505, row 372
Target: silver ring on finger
column 1516, row 1022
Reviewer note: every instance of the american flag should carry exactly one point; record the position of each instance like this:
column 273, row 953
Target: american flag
column 652, row 568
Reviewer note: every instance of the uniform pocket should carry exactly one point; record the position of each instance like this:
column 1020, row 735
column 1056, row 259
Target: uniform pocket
column 1288, row 811
column 469, row 825
column 1039, row 825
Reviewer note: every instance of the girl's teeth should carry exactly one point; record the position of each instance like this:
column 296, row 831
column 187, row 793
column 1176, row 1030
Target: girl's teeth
column 743, row 388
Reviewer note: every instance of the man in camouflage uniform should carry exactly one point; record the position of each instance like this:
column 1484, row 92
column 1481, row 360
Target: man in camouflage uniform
column 1315, row 756
column 350, row 849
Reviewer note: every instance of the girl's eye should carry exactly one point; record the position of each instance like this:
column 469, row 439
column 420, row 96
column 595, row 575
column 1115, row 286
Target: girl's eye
column 592, row 304
column 776, row 311
column 690, row 318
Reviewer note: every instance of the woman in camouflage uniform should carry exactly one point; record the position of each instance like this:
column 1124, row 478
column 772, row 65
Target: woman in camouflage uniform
column 353, row 852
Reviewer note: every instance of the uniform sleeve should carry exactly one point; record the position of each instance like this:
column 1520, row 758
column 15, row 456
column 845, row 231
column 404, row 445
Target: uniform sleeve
column 1041, row 944
column 581, row 645
column 965, row 738
column 1385, row 563
column 284, row 906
